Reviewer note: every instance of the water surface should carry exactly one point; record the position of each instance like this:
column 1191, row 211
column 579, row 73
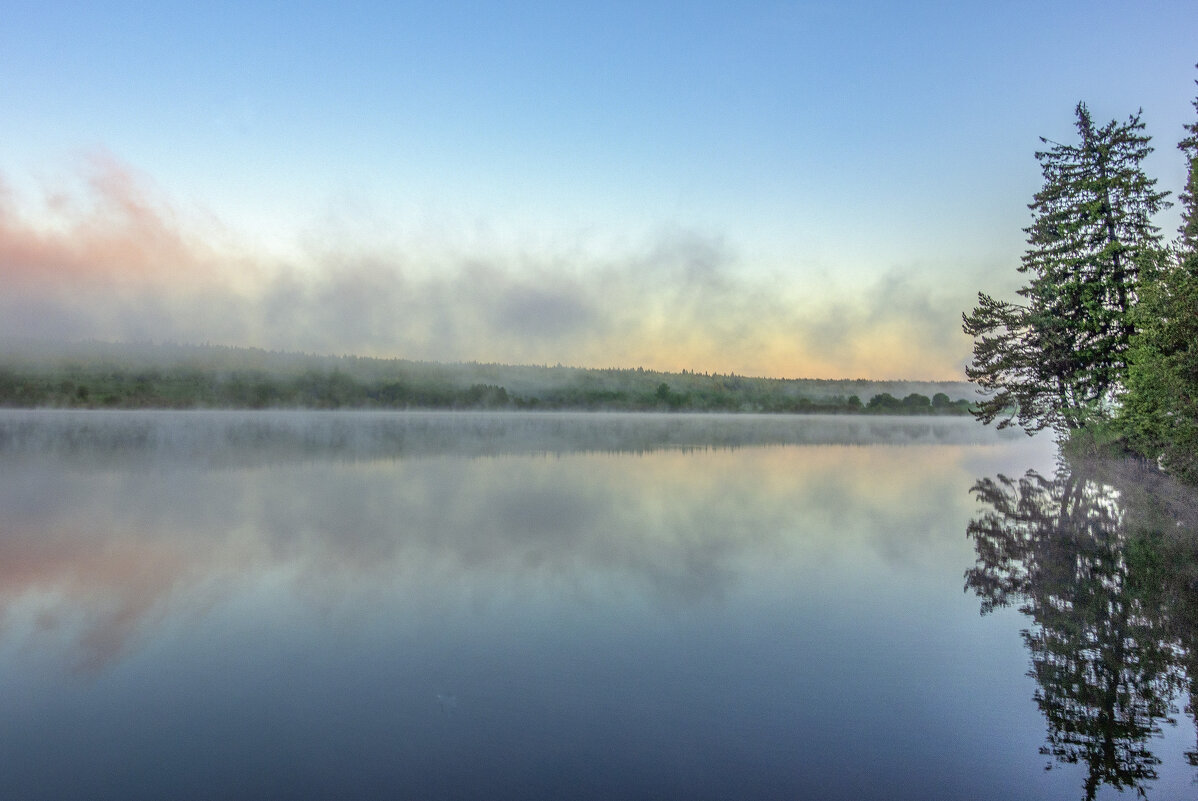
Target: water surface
column 359, row 605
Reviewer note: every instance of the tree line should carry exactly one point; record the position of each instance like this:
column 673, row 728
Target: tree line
column 1100, row 346
column 91, row 386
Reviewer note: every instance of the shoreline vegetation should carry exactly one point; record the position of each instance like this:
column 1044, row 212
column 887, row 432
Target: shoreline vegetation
column 96, row 375
column 1102, row 345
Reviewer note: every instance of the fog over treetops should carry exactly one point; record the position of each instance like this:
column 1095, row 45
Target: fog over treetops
column 108, row 375
column 103, row 252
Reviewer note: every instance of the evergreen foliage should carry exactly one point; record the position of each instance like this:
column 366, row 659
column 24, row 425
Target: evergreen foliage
column 1189, row 215
column 1104, row 345
column 1159, row 415
column 1058, row 358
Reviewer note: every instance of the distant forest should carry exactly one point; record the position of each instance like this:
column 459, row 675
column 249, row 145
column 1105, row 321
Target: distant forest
column 109, row 376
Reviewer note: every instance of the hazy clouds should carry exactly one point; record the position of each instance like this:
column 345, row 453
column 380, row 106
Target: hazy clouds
column 110, row 257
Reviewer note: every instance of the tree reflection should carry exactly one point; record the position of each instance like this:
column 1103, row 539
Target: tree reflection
column 1104, row 561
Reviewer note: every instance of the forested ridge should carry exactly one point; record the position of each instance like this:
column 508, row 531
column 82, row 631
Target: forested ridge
column 1101, row 345
column 105, row 375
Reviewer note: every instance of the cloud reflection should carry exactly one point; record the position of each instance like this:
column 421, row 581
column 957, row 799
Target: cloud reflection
column 95, row 551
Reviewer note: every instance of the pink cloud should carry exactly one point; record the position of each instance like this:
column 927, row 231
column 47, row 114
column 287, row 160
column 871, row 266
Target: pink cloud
column 110, row 228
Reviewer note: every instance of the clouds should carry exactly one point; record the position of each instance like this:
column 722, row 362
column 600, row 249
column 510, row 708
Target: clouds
column 109, row 257
column 110, row 229
column 544, row 312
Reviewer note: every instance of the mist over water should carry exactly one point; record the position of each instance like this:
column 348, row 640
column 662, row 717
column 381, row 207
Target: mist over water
column 425, row 605
column 254, row 436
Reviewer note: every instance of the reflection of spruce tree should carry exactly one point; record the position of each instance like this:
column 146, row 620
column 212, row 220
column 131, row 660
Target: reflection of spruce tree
column 1104, row 654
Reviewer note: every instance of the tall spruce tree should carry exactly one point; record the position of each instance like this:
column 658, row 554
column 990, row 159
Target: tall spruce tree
column 1188, row 243
column 1058, row 358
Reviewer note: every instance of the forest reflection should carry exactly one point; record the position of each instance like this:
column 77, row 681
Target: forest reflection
column 1103, row 559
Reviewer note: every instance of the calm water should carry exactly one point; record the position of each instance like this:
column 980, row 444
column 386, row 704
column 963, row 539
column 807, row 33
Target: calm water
column 343, row 605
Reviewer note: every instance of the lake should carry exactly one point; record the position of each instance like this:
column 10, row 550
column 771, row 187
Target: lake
column 416, row 605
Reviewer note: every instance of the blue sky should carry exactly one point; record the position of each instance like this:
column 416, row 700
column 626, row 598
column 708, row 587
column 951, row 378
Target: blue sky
column 773, row 188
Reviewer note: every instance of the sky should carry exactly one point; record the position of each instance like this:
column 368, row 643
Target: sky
column 781, row 189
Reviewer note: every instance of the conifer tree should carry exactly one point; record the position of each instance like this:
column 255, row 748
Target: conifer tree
column 1058, row 357
column 1188, row 243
